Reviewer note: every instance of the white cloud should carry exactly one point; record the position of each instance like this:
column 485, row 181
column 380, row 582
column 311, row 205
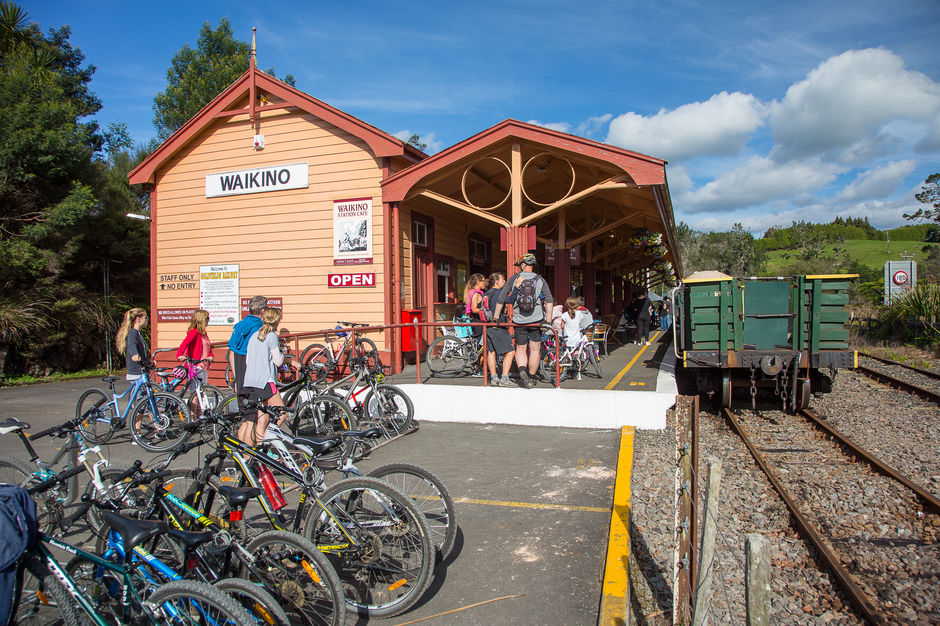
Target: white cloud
column 562, row 127
column 849, row 97
column 721, row 125
column 878, row 182
column 760, row 180
column 679, row 180
column 592, row 125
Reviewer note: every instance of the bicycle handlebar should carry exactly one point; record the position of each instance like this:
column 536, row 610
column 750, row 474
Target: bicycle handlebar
column 55, row 480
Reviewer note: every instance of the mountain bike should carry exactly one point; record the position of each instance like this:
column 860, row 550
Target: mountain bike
column 155, row 418
column 373, row 535
column 572, row 361
column 450, row 355
column 60, row 489
column 324, row 358
column 50, row 594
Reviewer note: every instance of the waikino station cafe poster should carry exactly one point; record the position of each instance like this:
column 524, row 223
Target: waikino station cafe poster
column 352, row 231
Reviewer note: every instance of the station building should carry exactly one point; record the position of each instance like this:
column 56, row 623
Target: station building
column 269, row 191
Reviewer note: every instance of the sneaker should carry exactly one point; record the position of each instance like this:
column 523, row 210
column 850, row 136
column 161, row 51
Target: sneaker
column 476, row 374
column 524, row 379
column 505, row 381
column 494, row 381
column 648, row 343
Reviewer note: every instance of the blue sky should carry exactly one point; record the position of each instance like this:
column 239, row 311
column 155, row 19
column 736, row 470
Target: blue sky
column 766, row 114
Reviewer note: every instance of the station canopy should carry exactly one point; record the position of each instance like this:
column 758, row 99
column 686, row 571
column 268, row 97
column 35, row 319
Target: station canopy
column 574, row 191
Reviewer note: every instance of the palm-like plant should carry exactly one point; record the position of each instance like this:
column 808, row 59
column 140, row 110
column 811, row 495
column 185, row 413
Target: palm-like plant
column 19, row 317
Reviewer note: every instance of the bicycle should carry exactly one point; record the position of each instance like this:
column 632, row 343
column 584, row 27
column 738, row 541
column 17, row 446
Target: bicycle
column 374, row 536
column 156, row 418
column 50, row 593
column 324, row 358
column 572, row 361
column 63, row 486
column 449, row 355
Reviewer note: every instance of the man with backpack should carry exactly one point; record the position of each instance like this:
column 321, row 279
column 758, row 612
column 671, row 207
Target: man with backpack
column 532, row 307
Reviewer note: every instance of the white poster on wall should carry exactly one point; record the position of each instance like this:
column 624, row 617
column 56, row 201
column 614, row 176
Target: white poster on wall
column 218, row 293
column 352, row 231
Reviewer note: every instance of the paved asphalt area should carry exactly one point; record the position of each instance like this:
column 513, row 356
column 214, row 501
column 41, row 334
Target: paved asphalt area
column 533, row 508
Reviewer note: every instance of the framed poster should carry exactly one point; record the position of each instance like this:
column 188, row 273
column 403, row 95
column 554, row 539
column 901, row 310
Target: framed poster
column 218, row 294
column 352, row 231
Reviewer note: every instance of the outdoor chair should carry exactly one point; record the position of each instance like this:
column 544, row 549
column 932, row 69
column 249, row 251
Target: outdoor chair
column 613, row 322
column 599, row 337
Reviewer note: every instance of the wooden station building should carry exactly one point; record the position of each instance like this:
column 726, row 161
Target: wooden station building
column 269, row 191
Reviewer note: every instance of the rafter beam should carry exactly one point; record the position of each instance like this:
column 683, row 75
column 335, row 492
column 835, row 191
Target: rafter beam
column 616, row 182
column 602, row 230
column 433, row 195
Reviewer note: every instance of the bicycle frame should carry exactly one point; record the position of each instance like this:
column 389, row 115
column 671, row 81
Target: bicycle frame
column 129, row 597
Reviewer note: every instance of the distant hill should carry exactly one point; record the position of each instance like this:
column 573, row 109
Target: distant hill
column 867, row 252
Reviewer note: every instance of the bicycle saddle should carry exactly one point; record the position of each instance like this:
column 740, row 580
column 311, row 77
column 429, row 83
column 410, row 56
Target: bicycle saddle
column 317, row 446
column 133, row 531
column 238, row 496
column 11, row 425
column 110, row 379
column 191, row 539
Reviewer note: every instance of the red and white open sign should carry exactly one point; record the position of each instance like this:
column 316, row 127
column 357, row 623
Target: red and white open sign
column 351, row 280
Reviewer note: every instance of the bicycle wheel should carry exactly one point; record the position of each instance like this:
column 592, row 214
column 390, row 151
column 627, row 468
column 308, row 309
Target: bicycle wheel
column 44, row 600
column 389, row 407
column 430, row 496
column 366, row 349
column 194, row 602
column 389, row 568
column 114, row 491
column 594, row 360
column 326, row 413
column 445, row 356
column 547, row 368
column 100, row 585
column 213, row 398
column 260, row 604
column 230, row 377
column 98, row 421
column 317, row 358
column 308, row 588
column 156, row 422
column 49, row 504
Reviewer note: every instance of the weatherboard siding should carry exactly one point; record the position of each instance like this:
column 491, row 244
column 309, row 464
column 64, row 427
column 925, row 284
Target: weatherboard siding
column 282, row 240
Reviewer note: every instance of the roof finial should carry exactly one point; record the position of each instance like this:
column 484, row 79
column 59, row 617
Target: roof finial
column 253, row 48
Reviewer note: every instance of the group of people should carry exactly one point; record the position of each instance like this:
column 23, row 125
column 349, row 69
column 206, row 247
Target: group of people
column 254, row 351
column 641, row 312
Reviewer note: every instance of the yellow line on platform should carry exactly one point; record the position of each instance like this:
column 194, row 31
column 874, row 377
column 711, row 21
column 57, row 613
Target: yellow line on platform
column 616, row 572
column 617, row 378
column 535, row 505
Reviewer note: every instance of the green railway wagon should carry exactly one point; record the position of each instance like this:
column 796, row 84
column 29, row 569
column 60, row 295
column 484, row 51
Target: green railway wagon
column 762, row 333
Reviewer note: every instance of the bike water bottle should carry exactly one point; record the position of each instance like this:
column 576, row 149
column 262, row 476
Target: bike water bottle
column 271, row 488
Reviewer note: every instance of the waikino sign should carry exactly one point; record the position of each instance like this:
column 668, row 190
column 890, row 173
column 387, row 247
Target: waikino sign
column 272, row 178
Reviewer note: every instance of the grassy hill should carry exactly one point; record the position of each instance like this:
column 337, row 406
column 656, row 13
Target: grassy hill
column 872, row 254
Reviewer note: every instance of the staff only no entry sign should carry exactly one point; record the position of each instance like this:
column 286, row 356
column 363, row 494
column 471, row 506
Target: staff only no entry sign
column 351, row 280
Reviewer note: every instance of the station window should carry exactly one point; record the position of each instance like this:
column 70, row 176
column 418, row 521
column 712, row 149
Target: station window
column 421, row 234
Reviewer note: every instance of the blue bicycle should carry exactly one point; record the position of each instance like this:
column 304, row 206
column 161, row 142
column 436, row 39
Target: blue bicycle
column 156, row 418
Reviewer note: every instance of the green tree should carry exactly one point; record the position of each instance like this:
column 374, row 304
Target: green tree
column 929, row 195
column 197, row 76
column 415, row 140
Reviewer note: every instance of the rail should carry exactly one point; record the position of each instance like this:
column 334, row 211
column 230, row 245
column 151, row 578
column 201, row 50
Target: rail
column 897, row 383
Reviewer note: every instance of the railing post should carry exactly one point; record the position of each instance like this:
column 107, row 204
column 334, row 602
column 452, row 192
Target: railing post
column 703, row 588
column 757, row 580
column 681, row 596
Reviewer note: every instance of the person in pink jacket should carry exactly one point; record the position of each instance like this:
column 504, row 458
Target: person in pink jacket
column 196, row 343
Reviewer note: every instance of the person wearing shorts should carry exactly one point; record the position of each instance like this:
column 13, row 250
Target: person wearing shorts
column 528, row 330
column 262, row 359
column 498, row 340
column 238, row 342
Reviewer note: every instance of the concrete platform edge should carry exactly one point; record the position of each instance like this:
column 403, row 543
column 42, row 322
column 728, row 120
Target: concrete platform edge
column 571, row 408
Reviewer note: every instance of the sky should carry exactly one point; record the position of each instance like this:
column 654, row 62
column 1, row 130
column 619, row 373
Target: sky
column 767, row 113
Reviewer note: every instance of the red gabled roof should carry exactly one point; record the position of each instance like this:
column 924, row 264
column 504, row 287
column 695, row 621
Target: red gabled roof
column 381, row 143
column 645, row 170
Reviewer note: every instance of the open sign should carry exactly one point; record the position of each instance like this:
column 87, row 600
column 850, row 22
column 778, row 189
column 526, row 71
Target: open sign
column 351, row 280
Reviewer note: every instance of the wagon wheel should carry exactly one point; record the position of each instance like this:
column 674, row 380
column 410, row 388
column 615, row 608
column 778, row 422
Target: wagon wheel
column 726, row 389
column 803, row 391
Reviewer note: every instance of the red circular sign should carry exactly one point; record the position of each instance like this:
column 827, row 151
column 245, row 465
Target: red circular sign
column 900, row 277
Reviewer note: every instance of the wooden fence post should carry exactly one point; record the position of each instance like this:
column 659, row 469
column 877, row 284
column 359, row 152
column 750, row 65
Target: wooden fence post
column 757, row 580
column 681, row 587
column 703, row 589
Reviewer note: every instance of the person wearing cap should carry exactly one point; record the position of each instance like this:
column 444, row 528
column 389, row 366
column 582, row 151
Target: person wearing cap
column 528, row 331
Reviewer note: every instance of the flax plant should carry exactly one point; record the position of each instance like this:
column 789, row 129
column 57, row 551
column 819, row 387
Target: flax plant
column 919, row 309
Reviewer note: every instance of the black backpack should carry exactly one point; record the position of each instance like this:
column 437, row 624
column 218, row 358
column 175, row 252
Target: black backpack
column 527, row 295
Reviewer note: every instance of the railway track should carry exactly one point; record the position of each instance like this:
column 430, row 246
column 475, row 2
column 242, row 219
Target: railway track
column 921, row 382
column 876, row 529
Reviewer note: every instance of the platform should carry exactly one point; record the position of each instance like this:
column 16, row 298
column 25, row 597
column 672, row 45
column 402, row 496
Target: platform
column 637, row 388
